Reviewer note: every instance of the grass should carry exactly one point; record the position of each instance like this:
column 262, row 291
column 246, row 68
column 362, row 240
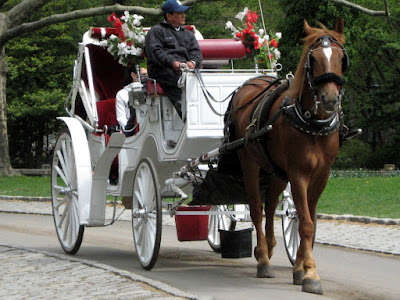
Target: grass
column 34, row 186
column 367, row 196
column 374, row 196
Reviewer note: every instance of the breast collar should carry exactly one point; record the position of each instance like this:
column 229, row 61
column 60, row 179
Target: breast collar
column 293, row 112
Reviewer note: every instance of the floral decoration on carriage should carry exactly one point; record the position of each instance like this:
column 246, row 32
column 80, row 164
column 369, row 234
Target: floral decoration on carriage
column 259, row 45
column 128, row 43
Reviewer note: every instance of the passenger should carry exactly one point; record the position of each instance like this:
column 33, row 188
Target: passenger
column 126, row 115
column 168, row 45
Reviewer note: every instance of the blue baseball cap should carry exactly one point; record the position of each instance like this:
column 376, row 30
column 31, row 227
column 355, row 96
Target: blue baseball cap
column 173, row 5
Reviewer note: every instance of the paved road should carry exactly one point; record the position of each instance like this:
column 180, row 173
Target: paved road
column 68, row 279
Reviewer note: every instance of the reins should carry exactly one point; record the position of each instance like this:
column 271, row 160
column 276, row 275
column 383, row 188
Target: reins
column 208, row 96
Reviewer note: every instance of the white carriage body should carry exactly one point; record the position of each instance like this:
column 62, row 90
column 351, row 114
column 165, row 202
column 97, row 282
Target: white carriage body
column 158, row 124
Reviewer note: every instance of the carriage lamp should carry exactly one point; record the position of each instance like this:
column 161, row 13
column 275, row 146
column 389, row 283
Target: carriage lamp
column 136, row 94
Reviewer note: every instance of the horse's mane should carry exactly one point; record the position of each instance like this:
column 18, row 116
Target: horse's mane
column 297, row 85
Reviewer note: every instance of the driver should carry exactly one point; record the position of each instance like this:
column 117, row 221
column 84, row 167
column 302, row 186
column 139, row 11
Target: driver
column 168, row 45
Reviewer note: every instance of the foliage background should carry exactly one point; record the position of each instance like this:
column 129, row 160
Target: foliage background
column 41, row 63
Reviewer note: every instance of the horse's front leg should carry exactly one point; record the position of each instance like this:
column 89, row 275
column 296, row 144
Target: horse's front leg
column 251, row 182
column 304, row 270
column 276, row 187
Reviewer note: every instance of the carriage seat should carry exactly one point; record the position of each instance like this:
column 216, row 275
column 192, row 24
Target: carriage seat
column 106, row 113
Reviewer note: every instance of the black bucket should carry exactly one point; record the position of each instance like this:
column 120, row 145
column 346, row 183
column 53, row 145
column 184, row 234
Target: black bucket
column 236, row 243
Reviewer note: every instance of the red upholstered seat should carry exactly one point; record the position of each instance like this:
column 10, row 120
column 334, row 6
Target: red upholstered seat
column 106, row 113
column 107, row 72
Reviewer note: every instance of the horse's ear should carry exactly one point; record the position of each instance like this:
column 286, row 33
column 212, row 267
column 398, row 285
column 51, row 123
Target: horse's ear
column 339, row 26
column 307, row 28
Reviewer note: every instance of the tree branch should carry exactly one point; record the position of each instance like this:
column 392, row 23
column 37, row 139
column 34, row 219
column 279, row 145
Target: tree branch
column 363, row 9
column 2, row 2
column 22, row 10
column 79, row 14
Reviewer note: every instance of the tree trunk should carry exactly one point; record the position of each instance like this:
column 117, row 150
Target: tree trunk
column 5, row 165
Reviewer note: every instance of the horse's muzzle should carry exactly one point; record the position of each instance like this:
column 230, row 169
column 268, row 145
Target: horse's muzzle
column 330, row 104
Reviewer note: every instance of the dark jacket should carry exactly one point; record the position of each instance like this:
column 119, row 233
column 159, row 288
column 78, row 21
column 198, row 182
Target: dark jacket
column 164, row 45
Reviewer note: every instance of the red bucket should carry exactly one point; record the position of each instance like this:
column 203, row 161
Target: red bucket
column 192, row 227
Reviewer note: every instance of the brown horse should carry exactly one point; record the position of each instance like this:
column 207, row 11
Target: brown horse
column 300, row 148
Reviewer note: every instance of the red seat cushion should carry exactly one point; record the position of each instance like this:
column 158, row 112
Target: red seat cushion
column 151, row 89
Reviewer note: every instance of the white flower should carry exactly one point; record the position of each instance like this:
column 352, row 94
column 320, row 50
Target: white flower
column 136, row 20
column 266, row 37
column 242, row 14
column 140, row 39
column 135, row 51
column 122, row 49
column 277, row 54
column 103, row 43
column 261, row 32
column 113, row 37
column 125, row 17
column 279, row 35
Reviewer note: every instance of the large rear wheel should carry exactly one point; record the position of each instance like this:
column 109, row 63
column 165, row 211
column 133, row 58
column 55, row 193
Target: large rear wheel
column 65, row 192
column 146, row 214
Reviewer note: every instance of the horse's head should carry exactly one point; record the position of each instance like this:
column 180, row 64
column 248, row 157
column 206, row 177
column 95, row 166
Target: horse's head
column 323, row 63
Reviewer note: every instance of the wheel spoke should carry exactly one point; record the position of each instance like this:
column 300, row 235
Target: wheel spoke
column 61, row 174
column 62, row 163
column 138, row 224
column 139, row 198
column 64, row 214
column 57, row 206
column 66, row 223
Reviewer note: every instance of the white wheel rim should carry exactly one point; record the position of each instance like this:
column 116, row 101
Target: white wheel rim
column 217, row 222
column 144, row 213
column 290, row 224
column 65, row 193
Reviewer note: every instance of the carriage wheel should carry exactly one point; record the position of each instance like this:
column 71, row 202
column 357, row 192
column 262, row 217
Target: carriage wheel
column 215, row 222
column 64, row 192
column 290, row 225
column 146, row 214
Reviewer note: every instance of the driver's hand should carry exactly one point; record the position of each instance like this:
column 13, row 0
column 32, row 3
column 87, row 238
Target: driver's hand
column 190, row 65
column 176, row 66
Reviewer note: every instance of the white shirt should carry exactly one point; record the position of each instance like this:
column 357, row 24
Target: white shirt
column 121, row 106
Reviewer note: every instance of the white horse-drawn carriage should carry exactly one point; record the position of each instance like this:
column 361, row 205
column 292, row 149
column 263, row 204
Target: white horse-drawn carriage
column 163, row 160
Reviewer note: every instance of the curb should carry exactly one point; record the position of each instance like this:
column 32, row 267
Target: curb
column 350, row 218
column 360, row 219
column 132, row 276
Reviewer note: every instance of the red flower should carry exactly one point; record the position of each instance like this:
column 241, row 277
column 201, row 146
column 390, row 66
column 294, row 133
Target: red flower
column 112, row 18
column 274, row 43
column 248, row 50
column 256, row 45
column 117, row 23
column 251, row 17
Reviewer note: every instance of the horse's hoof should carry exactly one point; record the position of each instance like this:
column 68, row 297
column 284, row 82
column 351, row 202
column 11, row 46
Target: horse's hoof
column 265, row 271
column 298, row 277
column 312, row 286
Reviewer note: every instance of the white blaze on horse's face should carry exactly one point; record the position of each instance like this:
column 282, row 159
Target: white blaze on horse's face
column 328, row 54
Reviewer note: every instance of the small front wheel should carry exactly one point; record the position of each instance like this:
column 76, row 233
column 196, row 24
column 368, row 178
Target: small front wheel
column 146, row 214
